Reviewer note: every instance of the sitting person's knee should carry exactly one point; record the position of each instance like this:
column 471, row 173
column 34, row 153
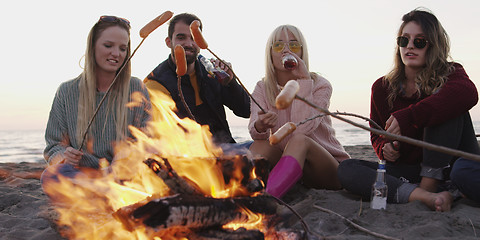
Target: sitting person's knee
column 299, row 139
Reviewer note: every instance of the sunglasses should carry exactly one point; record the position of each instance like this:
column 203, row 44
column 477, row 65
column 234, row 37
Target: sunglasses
column 417, row 42
column 294, row 46
column 112, row 19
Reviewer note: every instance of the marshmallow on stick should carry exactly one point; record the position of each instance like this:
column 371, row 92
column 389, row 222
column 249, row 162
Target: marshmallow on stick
column 286, row 96
column 282, row 132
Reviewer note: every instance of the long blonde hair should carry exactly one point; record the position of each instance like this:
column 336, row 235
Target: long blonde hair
column 437, row 66
column 118, row 95
column 271, row 89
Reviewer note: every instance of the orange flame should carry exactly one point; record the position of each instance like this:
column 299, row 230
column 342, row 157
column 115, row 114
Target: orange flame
column 87, row 203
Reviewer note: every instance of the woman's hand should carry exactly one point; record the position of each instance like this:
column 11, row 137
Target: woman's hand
column 72, row 156
column 301, row 71
column 391, row 152
column 392, row 126
column 265, row 121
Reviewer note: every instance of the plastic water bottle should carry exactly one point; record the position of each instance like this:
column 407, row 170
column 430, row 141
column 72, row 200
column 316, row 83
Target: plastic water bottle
column 379, row 188
column 221, row 75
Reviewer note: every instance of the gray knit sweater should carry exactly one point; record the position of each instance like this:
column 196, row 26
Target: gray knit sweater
column 62, row 123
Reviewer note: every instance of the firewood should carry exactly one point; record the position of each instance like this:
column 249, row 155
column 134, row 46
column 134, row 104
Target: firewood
column 237, row 167
column 175, row 183
column 187, row 212
column 229, row 164
column 227, row 234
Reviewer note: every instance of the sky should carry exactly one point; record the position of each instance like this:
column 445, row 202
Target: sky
column 350, row 43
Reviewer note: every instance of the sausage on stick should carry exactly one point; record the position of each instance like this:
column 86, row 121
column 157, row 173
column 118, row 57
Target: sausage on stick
column 180, row 60
column 200, row 41
column 197, row 35
column 179, row 53
column 155, row 23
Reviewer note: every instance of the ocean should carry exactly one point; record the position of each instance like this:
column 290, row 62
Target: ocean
column 27, row 145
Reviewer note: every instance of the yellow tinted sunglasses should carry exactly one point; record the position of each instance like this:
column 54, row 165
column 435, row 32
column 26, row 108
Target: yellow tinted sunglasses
column 294, row 46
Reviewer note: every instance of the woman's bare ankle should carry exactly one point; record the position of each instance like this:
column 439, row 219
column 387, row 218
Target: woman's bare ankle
column 429, row 184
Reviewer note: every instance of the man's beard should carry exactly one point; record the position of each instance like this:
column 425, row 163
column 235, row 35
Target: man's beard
column 190, row 58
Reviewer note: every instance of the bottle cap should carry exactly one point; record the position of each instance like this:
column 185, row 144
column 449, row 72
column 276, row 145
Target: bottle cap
column 381, row 164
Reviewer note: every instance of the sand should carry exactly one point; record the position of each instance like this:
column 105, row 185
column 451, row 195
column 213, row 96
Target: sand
column 25, row 212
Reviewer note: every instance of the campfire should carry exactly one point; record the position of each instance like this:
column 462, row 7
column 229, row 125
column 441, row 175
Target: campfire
column 173, row 182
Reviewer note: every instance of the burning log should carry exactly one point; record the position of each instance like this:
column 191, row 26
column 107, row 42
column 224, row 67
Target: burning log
column 227, row 234
column 175, row 183
column 242, row 163
column 238, row 167
column 183, row 214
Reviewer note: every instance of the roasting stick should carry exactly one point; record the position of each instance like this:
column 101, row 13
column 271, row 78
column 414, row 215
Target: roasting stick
column 287, row 129
column 280, row 135
column 285, row 98
column 144, row 32
column 200, row 41
column 181, row 63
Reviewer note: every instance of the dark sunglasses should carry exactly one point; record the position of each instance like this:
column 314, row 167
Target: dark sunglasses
column 417, row 42
column 113, row 19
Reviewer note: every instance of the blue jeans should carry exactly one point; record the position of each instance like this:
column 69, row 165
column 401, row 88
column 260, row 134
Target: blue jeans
column 236, row 148
column 50, row 177
column 456, row 133
column 466, row 176
column 357, row 176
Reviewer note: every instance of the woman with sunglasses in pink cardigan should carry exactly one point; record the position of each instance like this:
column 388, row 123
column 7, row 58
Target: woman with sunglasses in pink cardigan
column 311, row 153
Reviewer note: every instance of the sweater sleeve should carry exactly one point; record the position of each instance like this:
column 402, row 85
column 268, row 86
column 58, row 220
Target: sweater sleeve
column 457, row 96
column 142, row 106
column 56, row 132
column 378, row 113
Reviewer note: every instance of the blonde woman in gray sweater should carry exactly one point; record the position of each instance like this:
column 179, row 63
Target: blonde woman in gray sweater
column 108, row 48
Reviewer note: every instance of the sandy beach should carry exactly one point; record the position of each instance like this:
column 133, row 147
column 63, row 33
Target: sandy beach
column 25, row 212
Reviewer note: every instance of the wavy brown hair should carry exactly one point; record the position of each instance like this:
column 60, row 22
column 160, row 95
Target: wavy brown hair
column 437, row 66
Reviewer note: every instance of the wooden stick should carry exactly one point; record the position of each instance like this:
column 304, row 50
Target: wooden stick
column 356, row 225
column 391, row 136
column 180, row 93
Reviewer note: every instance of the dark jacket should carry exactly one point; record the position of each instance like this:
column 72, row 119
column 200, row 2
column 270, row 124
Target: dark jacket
column 213, row 94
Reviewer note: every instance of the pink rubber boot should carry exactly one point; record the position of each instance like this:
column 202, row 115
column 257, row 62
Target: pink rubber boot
column 283, row 176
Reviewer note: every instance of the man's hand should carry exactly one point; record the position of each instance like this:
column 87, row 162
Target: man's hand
column 228, row 69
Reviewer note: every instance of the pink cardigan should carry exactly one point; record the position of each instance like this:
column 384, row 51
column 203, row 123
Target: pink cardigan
column 320, row 129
